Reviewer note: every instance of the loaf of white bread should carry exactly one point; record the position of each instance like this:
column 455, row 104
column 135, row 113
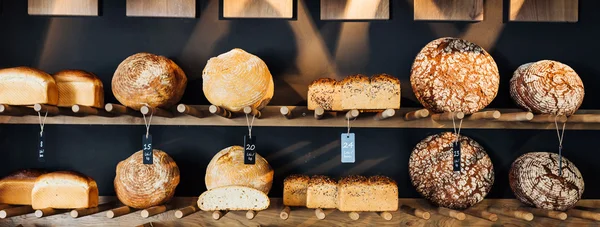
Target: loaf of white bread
column 64, row 190
column 233, row 198
column 360, row 92
column 15, row 189
column 77, row 87
column 227, row 168
column 27, row 86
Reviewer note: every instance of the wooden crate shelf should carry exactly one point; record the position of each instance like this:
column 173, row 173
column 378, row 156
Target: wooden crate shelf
column 306, row 217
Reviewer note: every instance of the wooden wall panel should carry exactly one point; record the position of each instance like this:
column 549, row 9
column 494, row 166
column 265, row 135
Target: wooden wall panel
column 258, row 8
column 161, row 8
column 63, row 7
column 355, row 9
column 544, row 10
column 448, row 10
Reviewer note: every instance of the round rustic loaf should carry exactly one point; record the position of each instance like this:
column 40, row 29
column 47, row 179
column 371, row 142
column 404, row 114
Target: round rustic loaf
column 141, row 185
column 227, row 168
column 452, row 75
column 148, row 79
column 535, row 180
column 431, row 171
column 547, row 87
column 237, row 79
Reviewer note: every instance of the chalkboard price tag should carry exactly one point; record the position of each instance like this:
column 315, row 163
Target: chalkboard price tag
column 348, row 148
column 456, row 156
column 41, row 148
column 147, row 149
column 249, row 150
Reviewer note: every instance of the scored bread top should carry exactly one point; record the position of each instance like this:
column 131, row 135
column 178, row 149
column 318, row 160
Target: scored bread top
column 297, row 178
column 320, row 180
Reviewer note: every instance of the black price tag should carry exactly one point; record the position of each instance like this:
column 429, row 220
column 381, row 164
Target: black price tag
column 456, row 156
column 41, row 148
column 249, row 150
column 147, row 149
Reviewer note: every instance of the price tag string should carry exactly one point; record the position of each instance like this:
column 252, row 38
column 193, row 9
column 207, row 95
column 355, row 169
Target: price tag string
column 349, row 124
column 456, row 132
column 147, row 124
column 250, row 124
column 42, row 122
column 560, row 141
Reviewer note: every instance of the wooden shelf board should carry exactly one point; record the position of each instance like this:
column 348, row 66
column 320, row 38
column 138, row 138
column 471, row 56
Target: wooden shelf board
column 258, row 8
column 355, row 10
column 298, row 217
column 161, row 8
column 63, row 7
column 448, row 10
column 544, row 10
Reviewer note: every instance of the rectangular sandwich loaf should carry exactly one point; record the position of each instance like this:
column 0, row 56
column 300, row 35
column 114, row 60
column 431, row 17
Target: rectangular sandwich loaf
column 294, row 190
column 325, row 93
column 64, row 190
column 77, row 87
column 321, row 193
column 359, row 193
column 27, row 86
column 15, row 189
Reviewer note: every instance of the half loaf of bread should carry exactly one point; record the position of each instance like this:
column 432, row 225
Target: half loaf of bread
column 64, row 190
column 233, row 198
column 77, row 87
column 16, row 188
column 27, row 86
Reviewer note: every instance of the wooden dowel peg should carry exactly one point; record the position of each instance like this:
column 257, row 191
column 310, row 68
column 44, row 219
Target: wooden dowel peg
column 518, row 116
column 416, row 212
column 86, row 110
column 16, row 110
column 251, row 214
column 448, row 116
column 46, row 212
column 117, row 109
column 77, row 213
column 584, row 214
column 15, row 211
column 319, row 112
column 485, row 115
column 149, row 224
column 482, row 214
column 385, row 114
column 520, row 214
column 120, row 211
column 452, row 213
column 547, row 213
column 189, row 110
column 286, row 112
column 218, row 214
column 4, row 206
column 151, row 211
column 385, row 215
column 147, row 110
column 584, row 118
column 417, row 114
column 220, row 111
column 352, row 114
column 320, row 214
column 42, row 108
column 354, row 215
column 186, row 211
column 547, row 118
column 252, row 112
column 285, row 213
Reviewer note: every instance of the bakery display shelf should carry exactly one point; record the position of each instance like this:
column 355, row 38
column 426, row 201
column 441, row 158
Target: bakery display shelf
column 412, row 212
column 300, row 116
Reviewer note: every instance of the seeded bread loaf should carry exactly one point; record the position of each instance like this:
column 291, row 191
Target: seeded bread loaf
column 77, row 87
column 64, row 190
column 385, row 92
column 535, row 180
column 451, row 75
column 15, row 189
column 227, row 168
column 431, row 171
column 321, row 193
column 233, row 198
column 376, row 193
column 27, row 86
column 325, row 93
column 294, row 190
column 547, row 87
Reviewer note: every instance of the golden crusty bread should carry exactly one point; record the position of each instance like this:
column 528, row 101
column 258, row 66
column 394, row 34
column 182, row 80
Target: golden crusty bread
column 27, row 86
column 322, row 192
column 78, row 87
column 294, row 190
column 227, row 168
column 375, row 193
column 64, row 190
column 16, row 188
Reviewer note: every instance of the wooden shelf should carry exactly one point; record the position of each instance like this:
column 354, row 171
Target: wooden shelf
column 305, row 217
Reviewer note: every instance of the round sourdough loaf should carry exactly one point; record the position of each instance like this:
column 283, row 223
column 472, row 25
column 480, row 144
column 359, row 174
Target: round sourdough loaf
column 452, row 75
column 227, row 168
column 431, row 172
column 547, row 87
column 535, row 180
column 237, row 79
column 141, row 185
column 150, row 79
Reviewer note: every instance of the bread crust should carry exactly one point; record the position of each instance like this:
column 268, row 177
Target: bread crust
column 64, row 190
column 16, row 188
column 27, row 86
column 71, row 91
column 227, row 168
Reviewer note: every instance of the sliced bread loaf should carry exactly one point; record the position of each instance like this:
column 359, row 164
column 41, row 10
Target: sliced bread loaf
column 233, row 198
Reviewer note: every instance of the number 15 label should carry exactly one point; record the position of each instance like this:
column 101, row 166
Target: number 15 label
column 348, row 148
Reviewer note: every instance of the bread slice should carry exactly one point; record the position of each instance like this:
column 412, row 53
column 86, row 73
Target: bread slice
column 376, row 193
column 77, row 87
column 27, row 86
column 384, row 93
column 294, row 190
column 233, row 198
column 15, row 189
column 324, row 93
column 321, row 193
column 64, row 190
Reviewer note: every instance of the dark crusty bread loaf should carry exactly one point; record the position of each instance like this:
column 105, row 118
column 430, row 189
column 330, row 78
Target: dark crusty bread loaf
column 294, row 190
column 431, row 171
column 322, row 192
column 451, row 75
column 16, row 188
column 535, row 180
column 359, row 193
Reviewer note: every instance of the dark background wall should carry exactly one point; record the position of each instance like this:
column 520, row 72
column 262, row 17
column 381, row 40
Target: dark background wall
column 296, row 51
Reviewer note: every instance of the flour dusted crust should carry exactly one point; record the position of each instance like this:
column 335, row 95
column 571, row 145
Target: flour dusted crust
column 451, row 75
column 431, row 172
column 141, row 185
column 237, row 79
column 294, row 190
column 535, row 180
column 227, row 168
column 547, row 87
column 150, row 79
column 359, row 193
